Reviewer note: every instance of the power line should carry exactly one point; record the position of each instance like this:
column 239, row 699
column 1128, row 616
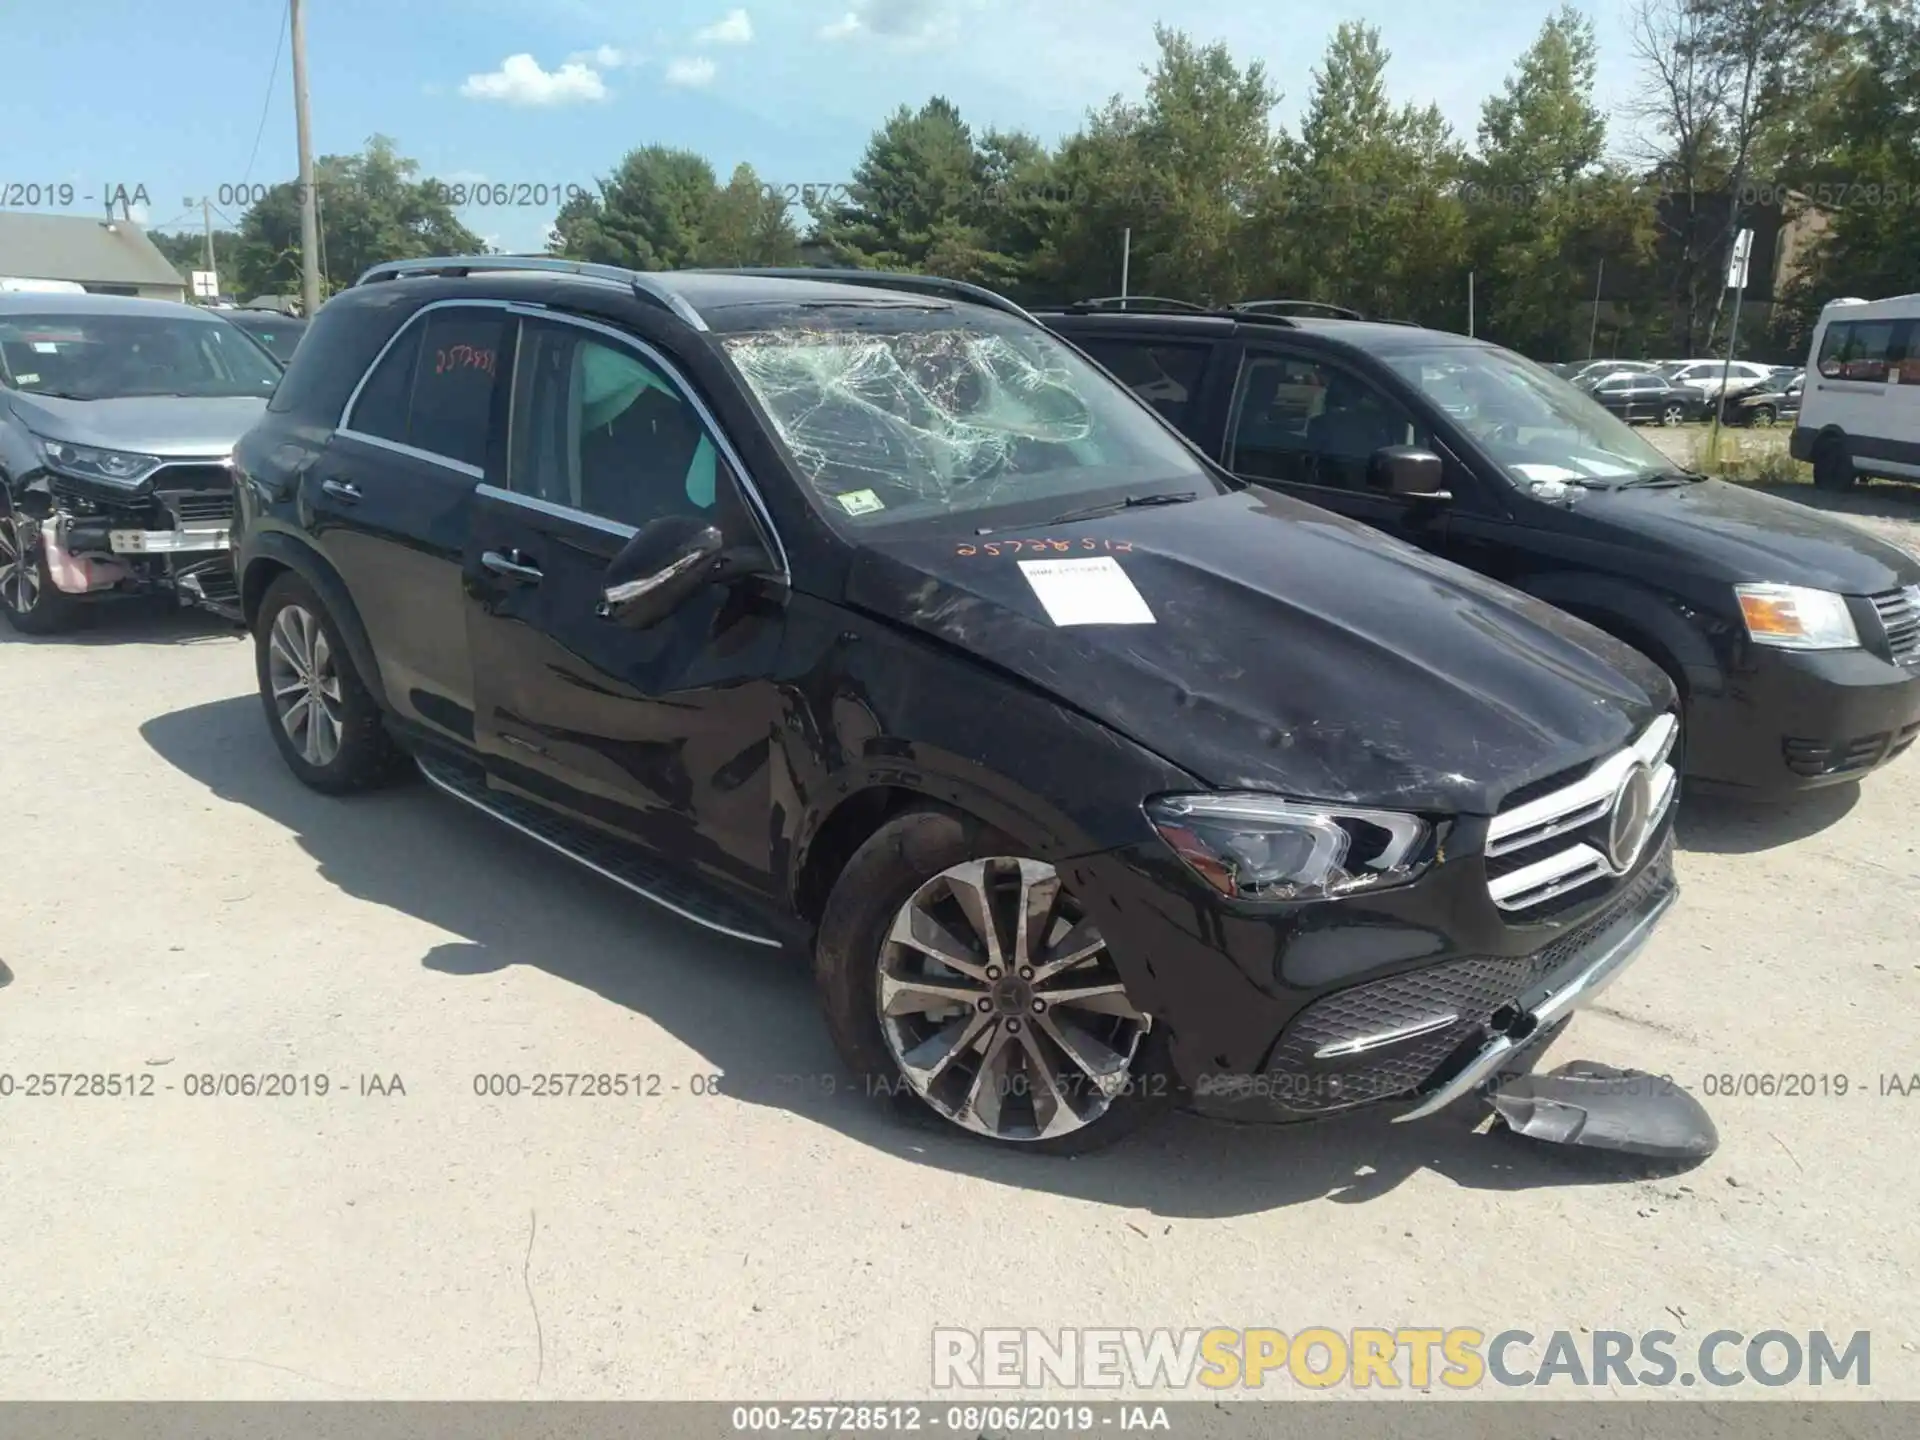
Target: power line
column 273, row 74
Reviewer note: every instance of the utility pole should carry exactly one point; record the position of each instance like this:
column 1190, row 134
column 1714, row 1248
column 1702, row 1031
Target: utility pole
column 1469, row 304
column 1737, row 282
column 206, row 221
column 1126, row 262
column 1593, row 330
column 309, row 220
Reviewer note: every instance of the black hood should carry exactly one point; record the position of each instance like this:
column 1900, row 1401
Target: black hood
column 1292, row 651
column 1736, row 534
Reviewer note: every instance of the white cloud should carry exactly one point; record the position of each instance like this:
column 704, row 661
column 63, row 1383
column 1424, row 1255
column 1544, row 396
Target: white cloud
column 909, row 22
column 606, row 57
column 690, row 71
column 521, row 81
column 735, row 29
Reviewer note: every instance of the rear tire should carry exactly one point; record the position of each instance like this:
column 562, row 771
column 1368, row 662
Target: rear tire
column 1833, row 466
column 324, row 720
column 857, row 958
column 1673, row 415
column 28, row 597
column 1762, row 415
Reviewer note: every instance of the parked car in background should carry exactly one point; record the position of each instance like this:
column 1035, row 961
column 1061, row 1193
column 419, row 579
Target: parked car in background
column 1647, row 399
column 1595, row 371
column 1862, row 416
column 280, row 334
column 859, row 612
column 117, row 419
column 1769, row 403
column 1794, row 637
column 1708, row 376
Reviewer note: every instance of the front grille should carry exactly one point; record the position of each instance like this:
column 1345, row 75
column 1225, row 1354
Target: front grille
column 206, row 507
column 1817, row 758
column 1445, row 1006
column 1899, row 612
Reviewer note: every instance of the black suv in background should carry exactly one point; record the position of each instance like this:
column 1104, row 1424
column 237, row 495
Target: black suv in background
column 1794, row 638
column 861, row 613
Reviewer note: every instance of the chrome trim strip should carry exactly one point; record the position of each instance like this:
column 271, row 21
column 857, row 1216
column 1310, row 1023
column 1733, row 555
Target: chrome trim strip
column 1551, row 813
column 559, row 512
column 346, row 411
column 1579, row 988
column 412, row 452
column 756, row 503
column 1515, row 891
column 426, row 769
column 1387, row 1037
column 631, row 590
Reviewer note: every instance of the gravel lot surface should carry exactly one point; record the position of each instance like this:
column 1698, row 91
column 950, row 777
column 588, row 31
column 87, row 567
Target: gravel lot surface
column 178, row 906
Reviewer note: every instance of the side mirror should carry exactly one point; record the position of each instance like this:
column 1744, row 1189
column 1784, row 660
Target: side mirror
column 659, row 570
column 1408, row 471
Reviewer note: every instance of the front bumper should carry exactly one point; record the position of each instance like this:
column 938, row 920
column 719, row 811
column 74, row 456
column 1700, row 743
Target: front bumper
column 1327, row 1007
column 1799, row 721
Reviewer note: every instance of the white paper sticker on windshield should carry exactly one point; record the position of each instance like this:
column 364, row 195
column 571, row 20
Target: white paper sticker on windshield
column 860, row 502
column 1546, row 472
column 1602, row 468
column 1086, row 592
column 45, row 347
column 28, row 379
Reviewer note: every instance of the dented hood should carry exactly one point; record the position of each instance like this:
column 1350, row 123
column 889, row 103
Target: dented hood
column 1290, row 650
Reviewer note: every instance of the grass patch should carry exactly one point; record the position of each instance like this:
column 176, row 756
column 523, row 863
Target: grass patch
column 1752, row 456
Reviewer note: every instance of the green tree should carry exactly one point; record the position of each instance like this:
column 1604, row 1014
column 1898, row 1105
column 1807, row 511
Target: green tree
column 372, row 207
column 1861, row 157
column 186, row 251
column 663, row 209
column 923, row 198
column 1366, row 210
column 1544, row 210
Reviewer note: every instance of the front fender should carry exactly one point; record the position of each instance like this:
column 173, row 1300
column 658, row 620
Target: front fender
column 266, row 553
column 1667, row 630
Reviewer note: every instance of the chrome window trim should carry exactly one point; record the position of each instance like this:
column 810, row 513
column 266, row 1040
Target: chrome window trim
column 756, row 504
column 344, row 424
column 413, row 452
column 558, row 512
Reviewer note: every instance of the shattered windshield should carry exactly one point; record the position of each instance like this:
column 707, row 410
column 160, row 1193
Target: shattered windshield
column 1536, row 426
column 895, row 414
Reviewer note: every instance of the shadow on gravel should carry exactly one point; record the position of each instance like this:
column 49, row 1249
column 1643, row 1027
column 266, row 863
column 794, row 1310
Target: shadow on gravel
column 134, row 622
column 750, row 1012
column 1717, row 825
column 1877, row 499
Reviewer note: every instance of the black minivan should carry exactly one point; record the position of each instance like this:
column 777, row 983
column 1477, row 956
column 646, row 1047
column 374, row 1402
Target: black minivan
column 1794, row 638
column 860, row 614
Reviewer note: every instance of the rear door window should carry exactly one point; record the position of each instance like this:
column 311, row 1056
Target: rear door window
column 1166, row 376
column 453, row 383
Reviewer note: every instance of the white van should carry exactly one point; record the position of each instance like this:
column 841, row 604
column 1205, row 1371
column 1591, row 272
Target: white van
column 1860, row 412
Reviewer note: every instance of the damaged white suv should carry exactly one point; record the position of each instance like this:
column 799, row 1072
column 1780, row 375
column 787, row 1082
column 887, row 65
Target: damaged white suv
column 117, row 420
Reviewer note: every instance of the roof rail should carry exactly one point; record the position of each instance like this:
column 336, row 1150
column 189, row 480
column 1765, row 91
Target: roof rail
column 1296, row 307
column 937, row 285
column 1135, row 302
column 643, row 285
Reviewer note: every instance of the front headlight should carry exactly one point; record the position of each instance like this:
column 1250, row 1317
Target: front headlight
column 1793, row 617
column 1261, row 847
column 84, row 462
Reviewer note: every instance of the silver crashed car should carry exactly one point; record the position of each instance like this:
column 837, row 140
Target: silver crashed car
column 117, row 420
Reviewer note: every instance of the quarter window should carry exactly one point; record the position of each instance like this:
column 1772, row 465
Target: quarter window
column 1301, row 422
column 597, row 428
column 384, row 400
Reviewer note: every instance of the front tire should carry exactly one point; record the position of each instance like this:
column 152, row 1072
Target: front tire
column 1762, row 415
column 31, row 602
column 1673, row 415
column 324, row 720
column 962, row 978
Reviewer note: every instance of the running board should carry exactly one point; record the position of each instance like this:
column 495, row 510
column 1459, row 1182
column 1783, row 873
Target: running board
column 624, row 864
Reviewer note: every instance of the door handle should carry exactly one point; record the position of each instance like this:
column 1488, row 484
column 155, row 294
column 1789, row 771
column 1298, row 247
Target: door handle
column 512, row 565
column 344, row 491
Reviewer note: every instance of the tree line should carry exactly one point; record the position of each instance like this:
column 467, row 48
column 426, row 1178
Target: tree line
column 1554, row 228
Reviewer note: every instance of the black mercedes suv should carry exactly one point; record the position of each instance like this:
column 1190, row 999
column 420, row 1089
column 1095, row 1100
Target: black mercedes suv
column 1793, row 637
column 859, row 613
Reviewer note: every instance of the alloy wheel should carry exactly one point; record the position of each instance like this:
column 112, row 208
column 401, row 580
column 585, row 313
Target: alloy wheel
column 1672, row 415
column 19, row 570
column 1000, row 1002
column 306, row 684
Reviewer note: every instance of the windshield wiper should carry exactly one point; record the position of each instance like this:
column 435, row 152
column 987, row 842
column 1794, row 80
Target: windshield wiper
column 55, row 394
column 1674, row 476
column 1131, row 502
